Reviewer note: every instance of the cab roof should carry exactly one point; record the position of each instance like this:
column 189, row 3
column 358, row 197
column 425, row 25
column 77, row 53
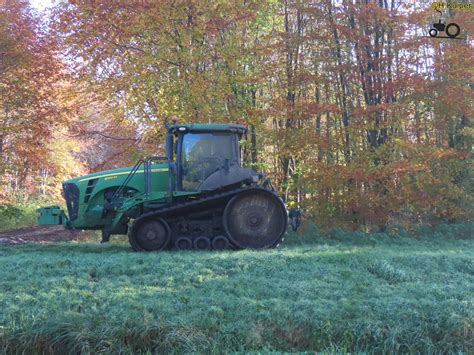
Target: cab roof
column 211, row 127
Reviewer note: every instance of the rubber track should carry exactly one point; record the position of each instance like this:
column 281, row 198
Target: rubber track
column 159, row 212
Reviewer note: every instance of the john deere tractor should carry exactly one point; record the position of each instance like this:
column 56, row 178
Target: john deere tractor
column 198, row 196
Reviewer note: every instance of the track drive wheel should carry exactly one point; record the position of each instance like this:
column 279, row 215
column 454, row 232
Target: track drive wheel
column 150, row 235
column 255, row 219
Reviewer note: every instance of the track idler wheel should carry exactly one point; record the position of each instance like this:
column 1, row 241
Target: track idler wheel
column 150, row 235
column 184, row 243
column 255, row 219
column 220, row 243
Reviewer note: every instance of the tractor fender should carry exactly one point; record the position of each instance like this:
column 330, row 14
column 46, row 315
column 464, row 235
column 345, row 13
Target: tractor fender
column 225, row 177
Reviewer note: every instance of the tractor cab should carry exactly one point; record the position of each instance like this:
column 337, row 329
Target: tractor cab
column 206, row 156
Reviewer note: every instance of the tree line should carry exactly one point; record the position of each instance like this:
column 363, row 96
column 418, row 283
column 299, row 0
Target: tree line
column 357, row 115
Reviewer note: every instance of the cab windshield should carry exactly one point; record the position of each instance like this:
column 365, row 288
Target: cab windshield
column 203, row 154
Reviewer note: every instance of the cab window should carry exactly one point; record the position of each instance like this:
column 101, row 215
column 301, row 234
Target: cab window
column 203, row 154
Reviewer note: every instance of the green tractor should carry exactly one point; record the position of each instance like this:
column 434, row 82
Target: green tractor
column 198, row 196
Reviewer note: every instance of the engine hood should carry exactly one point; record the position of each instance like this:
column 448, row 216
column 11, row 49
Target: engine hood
column 109, row 174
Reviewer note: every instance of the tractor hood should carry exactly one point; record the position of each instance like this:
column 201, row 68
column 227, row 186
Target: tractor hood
column 113, row 173
column 84, row 192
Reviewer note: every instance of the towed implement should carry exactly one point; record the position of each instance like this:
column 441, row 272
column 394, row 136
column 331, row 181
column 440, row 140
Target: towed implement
column 198, row 196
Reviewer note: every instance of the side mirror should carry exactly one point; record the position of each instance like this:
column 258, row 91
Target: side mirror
column 169, row 147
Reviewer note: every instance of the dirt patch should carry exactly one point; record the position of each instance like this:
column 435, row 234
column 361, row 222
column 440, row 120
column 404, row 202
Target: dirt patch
column 40, row 234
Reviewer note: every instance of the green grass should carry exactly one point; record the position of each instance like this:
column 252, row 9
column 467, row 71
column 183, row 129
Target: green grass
column 339, row 292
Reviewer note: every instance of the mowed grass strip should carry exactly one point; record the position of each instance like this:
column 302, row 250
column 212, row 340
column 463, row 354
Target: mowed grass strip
column 338, row 292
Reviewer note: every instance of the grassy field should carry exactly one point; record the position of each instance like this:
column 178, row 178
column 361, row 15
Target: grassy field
column 338, row 292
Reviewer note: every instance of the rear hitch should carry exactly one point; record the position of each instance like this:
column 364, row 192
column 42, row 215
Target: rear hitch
column 294, row 216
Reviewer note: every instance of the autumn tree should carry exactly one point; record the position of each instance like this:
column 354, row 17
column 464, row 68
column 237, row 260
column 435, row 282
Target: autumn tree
column 36, row 100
